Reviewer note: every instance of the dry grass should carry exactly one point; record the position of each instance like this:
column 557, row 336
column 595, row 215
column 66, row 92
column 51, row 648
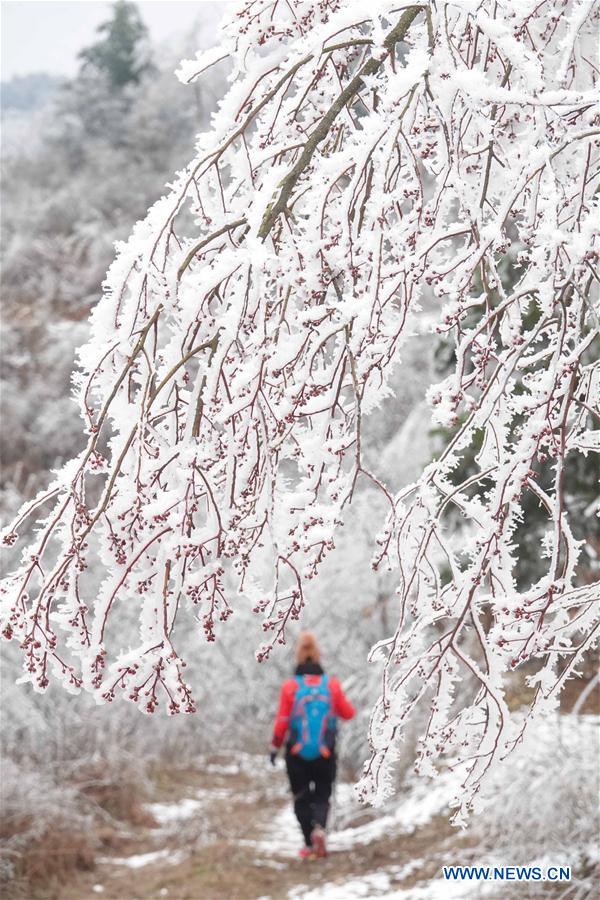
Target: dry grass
column 45, row 861
column 123, row 800
column 42, row 852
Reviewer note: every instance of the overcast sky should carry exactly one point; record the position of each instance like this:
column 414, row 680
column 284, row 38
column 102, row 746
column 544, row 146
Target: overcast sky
column 46, row 35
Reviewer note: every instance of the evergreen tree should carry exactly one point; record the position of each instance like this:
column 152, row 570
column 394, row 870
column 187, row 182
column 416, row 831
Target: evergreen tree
column 120, row 52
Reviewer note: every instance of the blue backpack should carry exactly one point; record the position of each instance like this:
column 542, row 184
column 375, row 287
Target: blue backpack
column 312, row 722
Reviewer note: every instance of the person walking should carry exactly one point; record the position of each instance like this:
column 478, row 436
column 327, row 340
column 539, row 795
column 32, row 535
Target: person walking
column 309, row 705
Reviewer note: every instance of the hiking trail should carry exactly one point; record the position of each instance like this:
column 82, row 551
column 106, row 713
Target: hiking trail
column 225, row 830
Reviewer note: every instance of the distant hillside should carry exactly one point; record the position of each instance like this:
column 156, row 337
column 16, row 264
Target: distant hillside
column 25, row 93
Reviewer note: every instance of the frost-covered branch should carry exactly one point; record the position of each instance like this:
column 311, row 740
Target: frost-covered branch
column 369, row 174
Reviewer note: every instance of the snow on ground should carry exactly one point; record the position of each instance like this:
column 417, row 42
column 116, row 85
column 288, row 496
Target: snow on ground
column 378, row 886
column 145, row 859
column 169, row 816
column 169, row 813
column 422, row 802
column 374, row 885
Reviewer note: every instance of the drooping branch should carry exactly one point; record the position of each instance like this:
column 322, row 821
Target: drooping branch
column 371, row 67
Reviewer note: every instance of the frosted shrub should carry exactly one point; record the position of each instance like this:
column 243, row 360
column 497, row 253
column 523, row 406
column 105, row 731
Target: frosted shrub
column 548, row 813
column 45, row 827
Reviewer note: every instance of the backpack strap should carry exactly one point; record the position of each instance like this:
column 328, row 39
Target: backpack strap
column 299, row 679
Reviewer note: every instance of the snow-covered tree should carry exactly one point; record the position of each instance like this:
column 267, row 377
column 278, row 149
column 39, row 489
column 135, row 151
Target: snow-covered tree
column 97, row 159
column 364, row 179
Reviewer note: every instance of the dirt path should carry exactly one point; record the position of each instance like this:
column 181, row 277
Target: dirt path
column 227, row 832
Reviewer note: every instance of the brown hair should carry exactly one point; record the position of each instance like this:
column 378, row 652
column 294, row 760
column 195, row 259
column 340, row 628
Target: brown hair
column 307, row 648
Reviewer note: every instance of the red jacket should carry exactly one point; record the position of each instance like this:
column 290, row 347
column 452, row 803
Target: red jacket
column 341, row 705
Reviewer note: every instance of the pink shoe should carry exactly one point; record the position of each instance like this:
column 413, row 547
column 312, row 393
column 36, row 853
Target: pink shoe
column 306, row 853
column 318, row 842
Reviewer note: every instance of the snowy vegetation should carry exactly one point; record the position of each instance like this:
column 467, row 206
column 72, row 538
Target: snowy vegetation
column 344, row 371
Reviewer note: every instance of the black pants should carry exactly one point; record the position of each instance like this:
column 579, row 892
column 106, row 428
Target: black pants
column 311, row 782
